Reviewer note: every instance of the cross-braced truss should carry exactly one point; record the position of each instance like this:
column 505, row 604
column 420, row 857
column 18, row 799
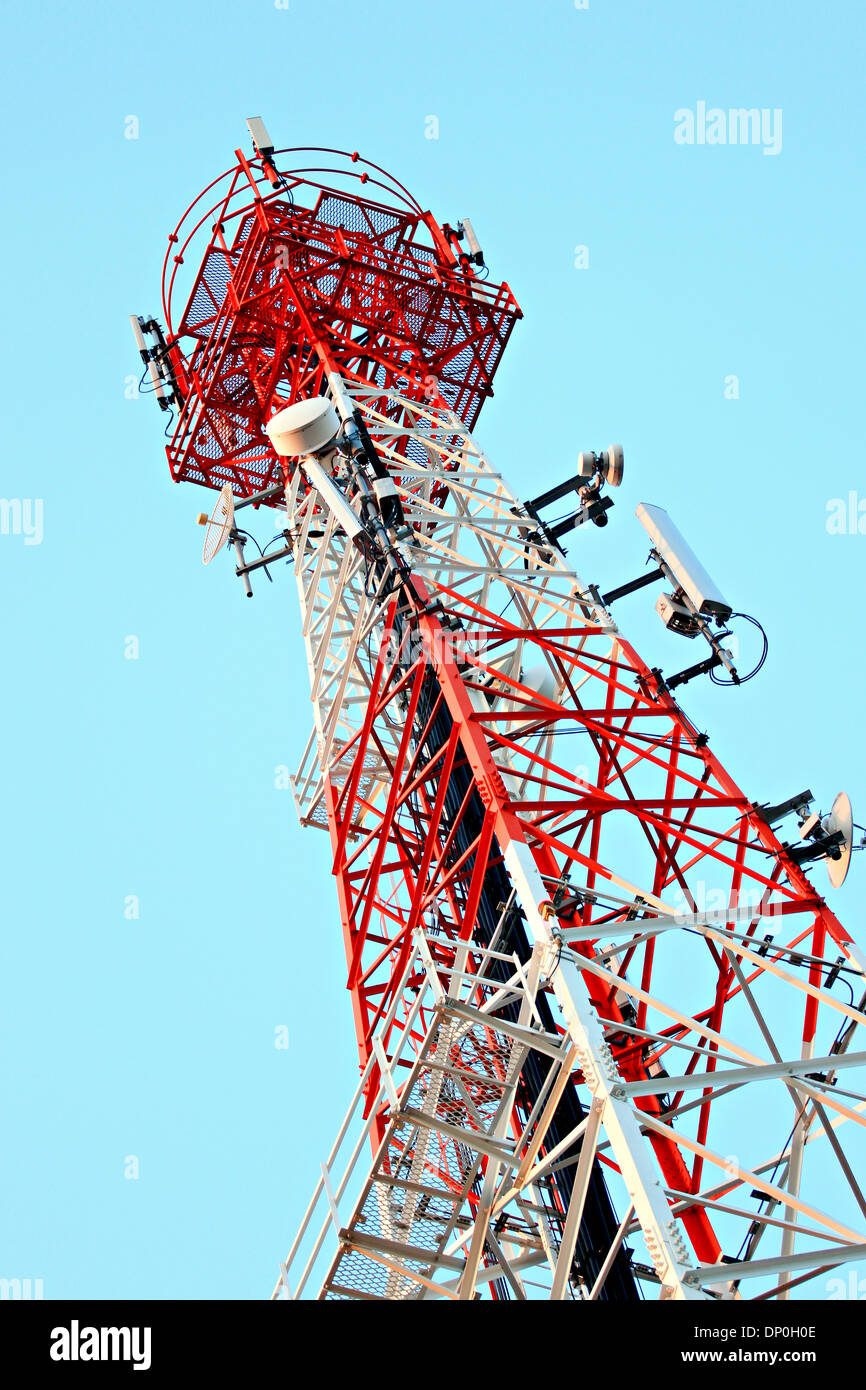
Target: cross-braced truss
column 607, row 1026
column 719, row 996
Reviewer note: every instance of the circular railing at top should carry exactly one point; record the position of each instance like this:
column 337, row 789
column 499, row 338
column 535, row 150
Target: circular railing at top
column 236, row 194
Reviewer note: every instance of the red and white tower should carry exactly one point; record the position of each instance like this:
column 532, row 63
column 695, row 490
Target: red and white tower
column 581, row 1075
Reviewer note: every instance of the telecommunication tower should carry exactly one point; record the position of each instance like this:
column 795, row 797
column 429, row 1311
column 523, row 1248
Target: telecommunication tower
column 606, row 1022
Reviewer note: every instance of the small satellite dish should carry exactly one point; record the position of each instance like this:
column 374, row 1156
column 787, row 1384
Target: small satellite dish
column 540, row 679
column 219, row 524
column 613, row 471
column 840, row 818
column 608, row 463
column 307, row 427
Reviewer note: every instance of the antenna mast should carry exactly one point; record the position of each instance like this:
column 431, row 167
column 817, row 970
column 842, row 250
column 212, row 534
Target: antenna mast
column 606, row 1024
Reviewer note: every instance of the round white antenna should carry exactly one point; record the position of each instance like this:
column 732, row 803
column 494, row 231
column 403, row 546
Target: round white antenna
column 307, row 427
column 608, row 463
column 840, row 818
column 540, row 679
column 219, row 524
column 613, row 471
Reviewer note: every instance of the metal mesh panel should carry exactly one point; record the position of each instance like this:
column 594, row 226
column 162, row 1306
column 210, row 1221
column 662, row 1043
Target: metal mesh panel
column 385, row 225
column 412, row 1204
column 348, row 267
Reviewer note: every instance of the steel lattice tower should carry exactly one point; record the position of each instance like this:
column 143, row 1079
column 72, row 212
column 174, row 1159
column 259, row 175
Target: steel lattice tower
column 574, row 1077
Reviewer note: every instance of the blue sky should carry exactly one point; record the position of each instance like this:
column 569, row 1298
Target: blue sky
column 154, row 1036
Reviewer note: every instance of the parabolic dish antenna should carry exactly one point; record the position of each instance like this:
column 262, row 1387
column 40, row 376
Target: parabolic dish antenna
column 219, row 525
column 608, row 463
column 613, row 472
column 840, row 818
